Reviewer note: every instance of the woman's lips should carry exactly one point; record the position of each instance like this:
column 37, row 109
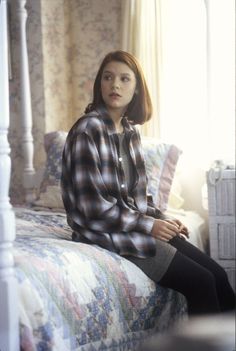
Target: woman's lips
column 114, row 95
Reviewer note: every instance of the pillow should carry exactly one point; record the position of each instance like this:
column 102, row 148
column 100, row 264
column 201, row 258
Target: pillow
column 160, row 159
column 50, row 191
column 175, row 200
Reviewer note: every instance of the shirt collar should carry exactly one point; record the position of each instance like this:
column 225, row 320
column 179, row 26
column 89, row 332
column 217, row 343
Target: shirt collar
column 103, row 113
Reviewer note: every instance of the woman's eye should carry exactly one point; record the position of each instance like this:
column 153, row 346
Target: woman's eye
column 107, row 77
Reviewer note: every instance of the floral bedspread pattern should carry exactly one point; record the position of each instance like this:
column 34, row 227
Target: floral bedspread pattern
column 75, row 296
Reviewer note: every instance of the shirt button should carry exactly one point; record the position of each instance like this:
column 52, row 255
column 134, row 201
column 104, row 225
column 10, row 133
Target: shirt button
column 120, row 159
column 122, row 185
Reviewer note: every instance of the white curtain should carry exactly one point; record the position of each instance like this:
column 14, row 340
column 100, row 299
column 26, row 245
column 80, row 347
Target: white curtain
column 186, row 49
column 141, row 37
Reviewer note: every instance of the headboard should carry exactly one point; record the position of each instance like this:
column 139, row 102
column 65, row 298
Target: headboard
column 9, row 322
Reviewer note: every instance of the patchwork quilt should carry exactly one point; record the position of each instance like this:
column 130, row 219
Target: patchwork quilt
column 80, row 297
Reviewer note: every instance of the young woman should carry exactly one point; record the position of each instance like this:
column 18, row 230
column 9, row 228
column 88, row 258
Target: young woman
column 104, row 191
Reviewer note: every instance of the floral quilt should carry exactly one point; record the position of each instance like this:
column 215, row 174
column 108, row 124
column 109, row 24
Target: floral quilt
column 75, row 296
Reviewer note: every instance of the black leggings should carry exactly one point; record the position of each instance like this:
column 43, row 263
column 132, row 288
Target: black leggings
column 199, row 278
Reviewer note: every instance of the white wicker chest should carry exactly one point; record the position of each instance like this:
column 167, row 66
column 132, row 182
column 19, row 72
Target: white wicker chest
column 221, row 209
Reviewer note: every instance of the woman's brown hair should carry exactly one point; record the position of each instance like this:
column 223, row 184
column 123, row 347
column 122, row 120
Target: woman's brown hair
column 140, row 108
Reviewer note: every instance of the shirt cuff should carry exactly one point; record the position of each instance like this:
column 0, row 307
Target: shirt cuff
column 145, row 224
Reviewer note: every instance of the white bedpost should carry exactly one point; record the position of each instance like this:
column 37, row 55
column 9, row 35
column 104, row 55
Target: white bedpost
column 9, row 322
column 26, row 110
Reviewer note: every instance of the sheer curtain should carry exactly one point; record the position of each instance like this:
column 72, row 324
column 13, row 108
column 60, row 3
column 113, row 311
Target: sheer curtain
column 186, row 48
column 141, row 37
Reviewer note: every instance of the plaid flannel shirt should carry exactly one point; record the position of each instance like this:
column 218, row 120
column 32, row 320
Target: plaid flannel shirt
column 94, row 191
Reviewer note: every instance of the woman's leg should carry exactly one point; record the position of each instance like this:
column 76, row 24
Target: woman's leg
column 182, row 274
column 191, row 272
column 195, row 282
column 224, row 291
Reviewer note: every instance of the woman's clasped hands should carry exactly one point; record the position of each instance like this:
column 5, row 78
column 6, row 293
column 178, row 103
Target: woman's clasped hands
column 167, row 229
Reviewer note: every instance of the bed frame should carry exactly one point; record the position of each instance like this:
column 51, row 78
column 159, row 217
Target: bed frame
column 9, row 316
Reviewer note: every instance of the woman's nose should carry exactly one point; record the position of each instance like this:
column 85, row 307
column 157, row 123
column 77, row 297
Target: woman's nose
column 116, row 84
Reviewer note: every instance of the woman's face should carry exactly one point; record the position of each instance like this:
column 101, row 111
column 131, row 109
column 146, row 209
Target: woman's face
column 118, row 85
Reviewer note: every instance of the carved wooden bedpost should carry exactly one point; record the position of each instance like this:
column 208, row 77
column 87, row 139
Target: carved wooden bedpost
column 9, row 323
column 26, row 110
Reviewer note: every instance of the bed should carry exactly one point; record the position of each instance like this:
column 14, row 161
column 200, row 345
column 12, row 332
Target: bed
column 56, row 294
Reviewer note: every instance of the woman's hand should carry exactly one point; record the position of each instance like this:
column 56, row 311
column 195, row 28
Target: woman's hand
column 182, row 228
column 164, row 229
column 167, row 229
